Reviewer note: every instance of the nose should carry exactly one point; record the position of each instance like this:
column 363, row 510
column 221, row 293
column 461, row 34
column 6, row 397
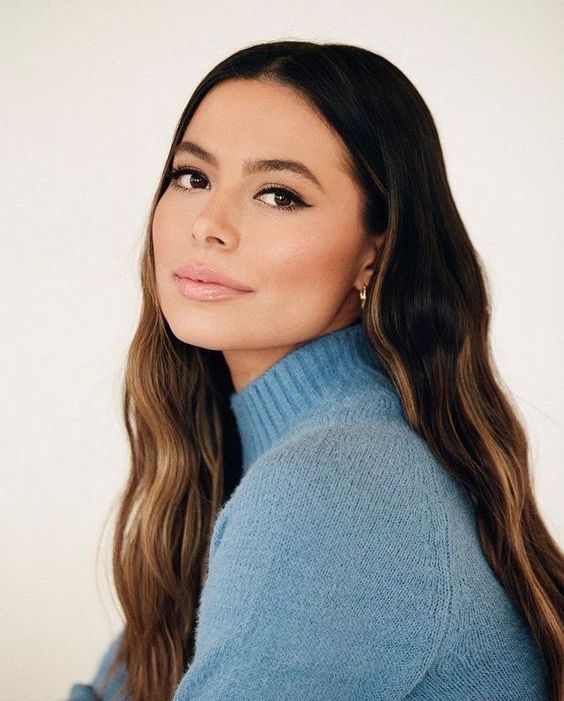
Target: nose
column 213, row 223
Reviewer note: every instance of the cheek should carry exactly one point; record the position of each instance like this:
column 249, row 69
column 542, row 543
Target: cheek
column 167, row 232
column 160, row 227
column 319, row 263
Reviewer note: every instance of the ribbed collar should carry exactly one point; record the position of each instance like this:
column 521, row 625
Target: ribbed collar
column 309, row 381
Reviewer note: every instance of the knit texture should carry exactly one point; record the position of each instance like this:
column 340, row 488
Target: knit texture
column 346, row 563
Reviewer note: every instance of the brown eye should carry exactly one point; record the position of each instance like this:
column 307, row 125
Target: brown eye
column 186, row 179
column 192, row 182
column 284, row 195
column 279, row 195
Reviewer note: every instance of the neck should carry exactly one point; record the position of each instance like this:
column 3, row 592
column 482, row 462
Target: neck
column 313, row 382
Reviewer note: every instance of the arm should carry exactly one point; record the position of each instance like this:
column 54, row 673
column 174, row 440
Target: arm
column 328, row 576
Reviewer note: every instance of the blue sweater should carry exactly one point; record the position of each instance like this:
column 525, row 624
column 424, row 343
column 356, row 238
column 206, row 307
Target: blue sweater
column 346, row 564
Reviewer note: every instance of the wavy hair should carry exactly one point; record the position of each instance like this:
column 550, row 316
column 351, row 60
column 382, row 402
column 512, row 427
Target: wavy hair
column 427, row 316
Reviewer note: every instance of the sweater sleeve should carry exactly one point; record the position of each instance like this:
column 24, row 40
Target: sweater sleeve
column 328, row 575
column 91, row 691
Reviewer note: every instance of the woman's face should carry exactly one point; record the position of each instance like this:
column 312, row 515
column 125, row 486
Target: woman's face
column 304, row 265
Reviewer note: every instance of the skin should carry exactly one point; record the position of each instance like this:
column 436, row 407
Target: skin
column 306, row 266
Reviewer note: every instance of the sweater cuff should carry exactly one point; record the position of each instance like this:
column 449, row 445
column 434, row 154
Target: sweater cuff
column 83, row 692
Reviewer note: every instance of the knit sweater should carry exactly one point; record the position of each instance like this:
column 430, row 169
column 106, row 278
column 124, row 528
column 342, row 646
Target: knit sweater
column 346, row 563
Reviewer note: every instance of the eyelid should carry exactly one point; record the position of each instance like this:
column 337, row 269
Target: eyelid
column 180, row 167
column 300, row 200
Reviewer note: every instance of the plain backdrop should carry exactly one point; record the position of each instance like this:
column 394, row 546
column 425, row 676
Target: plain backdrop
column 91, row 92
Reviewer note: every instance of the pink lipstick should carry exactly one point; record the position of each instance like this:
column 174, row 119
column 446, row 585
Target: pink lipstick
column 205, row 283
column 206, row 290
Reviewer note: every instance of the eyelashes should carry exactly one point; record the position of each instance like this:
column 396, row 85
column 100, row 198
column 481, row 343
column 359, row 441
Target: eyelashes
column 175, row 173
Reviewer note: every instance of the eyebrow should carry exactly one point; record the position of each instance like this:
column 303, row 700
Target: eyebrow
column 251, row 166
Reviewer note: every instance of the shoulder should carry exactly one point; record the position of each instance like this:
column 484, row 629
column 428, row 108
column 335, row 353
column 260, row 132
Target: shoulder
column 370, row 456
column 342, row 519
column 371, row 483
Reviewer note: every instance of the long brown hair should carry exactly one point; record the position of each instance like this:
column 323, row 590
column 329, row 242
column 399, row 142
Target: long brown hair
column 427, row 316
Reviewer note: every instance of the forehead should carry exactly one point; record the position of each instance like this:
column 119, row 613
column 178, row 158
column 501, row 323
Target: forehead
column 258, row 118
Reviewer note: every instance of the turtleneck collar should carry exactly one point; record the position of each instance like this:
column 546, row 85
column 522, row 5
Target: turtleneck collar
column 311, row 380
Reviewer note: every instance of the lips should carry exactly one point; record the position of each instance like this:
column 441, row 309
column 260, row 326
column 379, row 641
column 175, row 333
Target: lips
column 204, row 273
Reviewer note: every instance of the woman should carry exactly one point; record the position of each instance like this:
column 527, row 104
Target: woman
column 330, row 495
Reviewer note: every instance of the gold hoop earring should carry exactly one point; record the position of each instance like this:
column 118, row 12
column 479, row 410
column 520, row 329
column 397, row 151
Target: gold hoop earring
column 363, row 297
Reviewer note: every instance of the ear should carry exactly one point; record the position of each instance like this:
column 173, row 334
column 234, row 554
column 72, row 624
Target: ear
column 368, row 262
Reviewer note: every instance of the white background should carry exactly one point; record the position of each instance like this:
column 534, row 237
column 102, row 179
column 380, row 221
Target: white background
column 91, row 92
